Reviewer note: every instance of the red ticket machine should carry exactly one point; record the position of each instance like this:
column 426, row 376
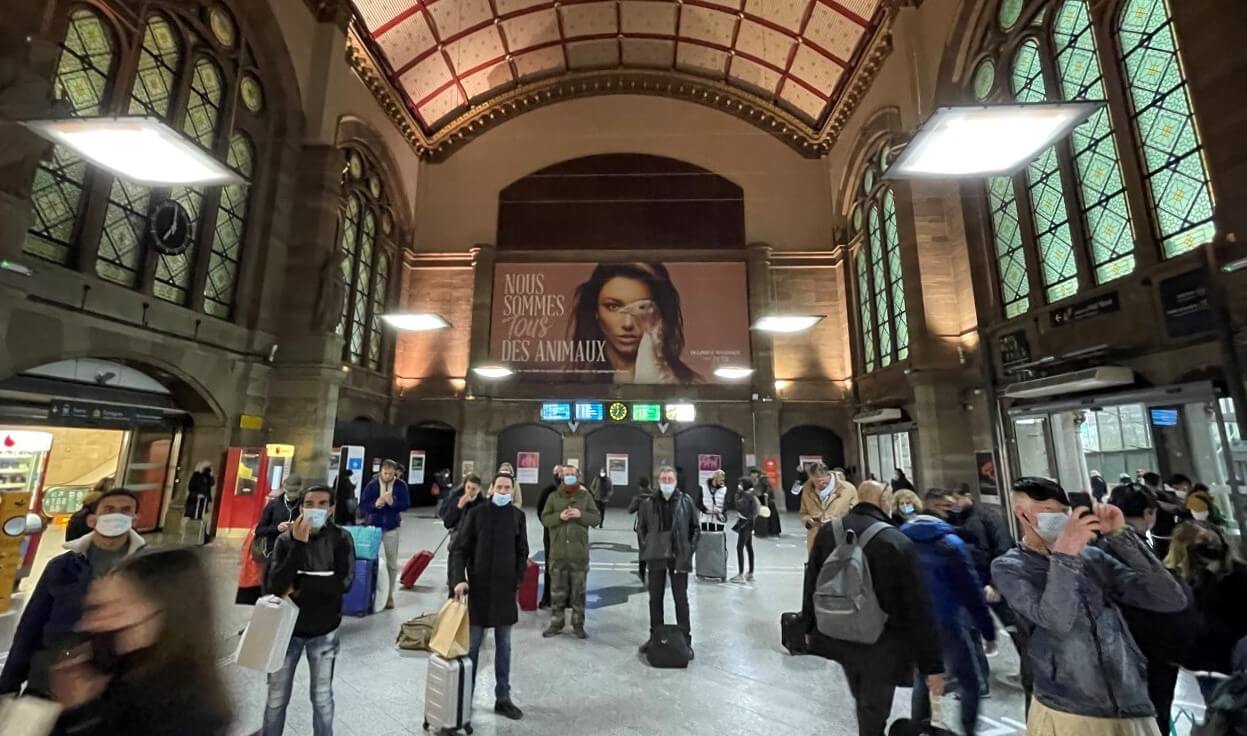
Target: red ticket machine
column 250, row 475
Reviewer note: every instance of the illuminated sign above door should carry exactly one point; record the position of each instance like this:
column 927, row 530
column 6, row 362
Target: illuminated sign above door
column 589, row 411
column 556, row 411
column 647, row 412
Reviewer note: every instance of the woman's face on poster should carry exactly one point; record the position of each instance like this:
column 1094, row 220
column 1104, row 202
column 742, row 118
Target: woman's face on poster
column 625, row 311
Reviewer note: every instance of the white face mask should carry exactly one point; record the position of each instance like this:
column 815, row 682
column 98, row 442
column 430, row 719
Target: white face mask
column 1050, row 524
column 668, row 489
column 113, row 525
column 907, row 509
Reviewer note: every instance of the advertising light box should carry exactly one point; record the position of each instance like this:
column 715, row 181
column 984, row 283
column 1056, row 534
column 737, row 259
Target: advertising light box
column 681, row 413
column 554, row 411
column 590, row 411
column 647, row 412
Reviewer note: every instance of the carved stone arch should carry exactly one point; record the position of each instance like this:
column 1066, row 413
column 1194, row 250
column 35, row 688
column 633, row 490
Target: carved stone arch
column 882, row 125
column 282, row 94
column 358, row 132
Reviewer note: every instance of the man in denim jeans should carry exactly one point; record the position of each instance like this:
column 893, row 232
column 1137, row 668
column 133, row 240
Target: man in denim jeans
column 314, row 562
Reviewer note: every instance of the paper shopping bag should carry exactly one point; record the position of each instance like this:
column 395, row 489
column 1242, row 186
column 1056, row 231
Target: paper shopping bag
column 264, row 643
column 28, row 716
column 450, row 633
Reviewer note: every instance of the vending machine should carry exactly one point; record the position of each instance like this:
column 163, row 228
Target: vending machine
column 250, row 476
column 23, row 463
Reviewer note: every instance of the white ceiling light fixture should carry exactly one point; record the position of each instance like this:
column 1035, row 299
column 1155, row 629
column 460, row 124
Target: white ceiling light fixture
column 142, row 150
column 416, row 321
column 988, row 140
column 493, row 371
column 733, row 372
column 788, row 323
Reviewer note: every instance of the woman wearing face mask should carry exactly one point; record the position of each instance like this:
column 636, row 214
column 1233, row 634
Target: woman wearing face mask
column 1202, row 507
column 149, row 663
column 713, row 502
column 1203, row 557
column 907, row 504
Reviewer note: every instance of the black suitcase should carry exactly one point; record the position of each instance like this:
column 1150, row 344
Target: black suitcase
column 668, row 648
column 792, row 633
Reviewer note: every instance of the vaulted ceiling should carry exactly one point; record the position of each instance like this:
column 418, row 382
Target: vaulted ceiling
column 454, row 62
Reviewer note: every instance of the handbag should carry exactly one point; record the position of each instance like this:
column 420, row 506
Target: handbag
column 259, row 547
column 450, row 631
column 416, row 634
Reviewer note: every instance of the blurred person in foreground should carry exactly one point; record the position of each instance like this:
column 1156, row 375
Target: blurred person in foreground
column 1089, row 676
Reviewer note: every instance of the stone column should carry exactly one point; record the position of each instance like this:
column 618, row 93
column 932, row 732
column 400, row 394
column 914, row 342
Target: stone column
column 483, row 258
column 766, row 431
column 944, row 456
column 307, row 372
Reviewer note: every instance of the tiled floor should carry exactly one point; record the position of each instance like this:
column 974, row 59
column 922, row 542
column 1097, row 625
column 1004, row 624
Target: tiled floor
column 741, row 682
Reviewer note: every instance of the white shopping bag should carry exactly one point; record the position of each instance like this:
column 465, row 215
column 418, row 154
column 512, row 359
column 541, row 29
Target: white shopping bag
column 28, row 716
column 383, row 582
column 266, row 639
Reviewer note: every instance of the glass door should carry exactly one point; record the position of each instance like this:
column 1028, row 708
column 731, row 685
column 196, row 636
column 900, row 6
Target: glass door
column 1030, row 437
column 151, row 455
column 887, row 451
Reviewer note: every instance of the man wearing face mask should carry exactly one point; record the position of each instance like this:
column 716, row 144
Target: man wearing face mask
column 568, row 515
column 667, row 525
column 826, row 496
column 1086, row 667
column 488, row 558
column 382, row 504
column 314, row 563
column 47, row 626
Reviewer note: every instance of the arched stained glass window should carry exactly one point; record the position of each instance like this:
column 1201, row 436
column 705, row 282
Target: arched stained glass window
column 120, row 252
column 1103, row 192
column 82, row 79
column 349, row 250
column 1164, row 124
column 879, row 285
column 231, row 223
column 865, row 313
column 1010, row 257
column 380, row 290
column 896, row 280
column 361, row 287
column 1044, row 186
column 367, row 260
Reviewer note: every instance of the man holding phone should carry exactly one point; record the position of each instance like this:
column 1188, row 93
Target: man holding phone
column 1086, row 667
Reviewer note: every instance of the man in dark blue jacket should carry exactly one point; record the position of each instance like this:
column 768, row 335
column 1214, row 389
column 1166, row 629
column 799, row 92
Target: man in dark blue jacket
column 958, row 603
column 52, row 613
column 381, row 504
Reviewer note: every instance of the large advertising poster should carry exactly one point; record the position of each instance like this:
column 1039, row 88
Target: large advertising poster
column 648, row 323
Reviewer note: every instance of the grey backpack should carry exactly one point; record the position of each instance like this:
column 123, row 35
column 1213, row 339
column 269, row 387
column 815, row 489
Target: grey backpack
column 845, row 605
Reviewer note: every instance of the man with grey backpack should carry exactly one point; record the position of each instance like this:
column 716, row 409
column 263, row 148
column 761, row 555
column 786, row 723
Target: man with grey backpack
column 865, row 605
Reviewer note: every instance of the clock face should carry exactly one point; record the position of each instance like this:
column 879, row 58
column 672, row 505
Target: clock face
column 171, row 228
column 222, row 26
column 252, row 93
column 618, row 411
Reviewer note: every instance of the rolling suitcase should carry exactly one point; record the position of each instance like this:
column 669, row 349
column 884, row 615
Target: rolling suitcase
column 792, row 633
column 528, row 588
column 416, row 566
column 448, row 695
column 360, row 600
column 712, row 556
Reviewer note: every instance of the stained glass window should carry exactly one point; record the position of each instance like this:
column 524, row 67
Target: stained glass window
column 203, row 110
column 82, row 77
column 349, row 249
column 380, row 291
column 361, row 287
column 120, row 250
column 896, row 280
column 865, row 314
column 231, row 224
column 1010, row 11
column 879, row 282
column 1109, row 230
column 984, row 79
column 1044, row 186
column 1176, row 176
column 1010, row 258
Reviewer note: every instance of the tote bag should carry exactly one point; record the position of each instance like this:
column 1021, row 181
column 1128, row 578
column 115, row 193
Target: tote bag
column 450, row 632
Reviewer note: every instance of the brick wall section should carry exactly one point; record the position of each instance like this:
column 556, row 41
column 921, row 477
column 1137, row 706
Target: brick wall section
column 440, row 354
column 823, row 352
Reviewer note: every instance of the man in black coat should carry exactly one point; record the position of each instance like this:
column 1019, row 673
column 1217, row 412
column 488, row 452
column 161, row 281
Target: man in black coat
column 909, row 640
column 488, row 557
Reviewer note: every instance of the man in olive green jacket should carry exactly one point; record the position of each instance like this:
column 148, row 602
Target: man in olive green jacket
column 568, row 514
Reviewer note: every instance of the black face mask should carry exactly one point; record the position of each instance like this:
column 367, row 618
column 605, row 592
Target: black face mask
column 1210, row 551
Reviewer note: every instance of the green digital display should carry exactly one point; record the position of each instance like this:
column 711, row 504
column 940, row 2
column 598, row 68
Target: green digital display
column 647, row 412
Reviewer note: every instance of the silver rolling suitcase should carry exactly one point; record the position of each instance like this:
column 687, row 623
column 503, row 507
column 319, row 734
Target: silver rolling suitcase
column 448, row 695
column 712, row 556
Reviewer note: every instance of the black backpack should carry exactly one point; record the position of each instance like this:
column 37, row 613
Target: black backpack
column 668, row 648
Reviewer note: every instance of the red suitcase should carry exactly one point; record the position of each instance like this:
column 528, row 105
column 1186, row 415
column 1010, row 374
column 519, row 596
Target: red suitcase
column 416, row 566
column 528, row 589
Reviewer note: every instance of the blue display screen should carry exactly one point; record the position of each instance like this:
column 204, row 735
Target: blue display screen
column 1165, row 417
column 590, row 412
column 556, row 412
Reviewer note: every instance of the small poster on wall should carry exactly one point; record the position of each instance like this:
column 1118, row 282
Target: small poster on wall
column 985, row 462
column 415, row 468
column 468, row 467
column 617, row 468
column 528, row 467
column 707, row 466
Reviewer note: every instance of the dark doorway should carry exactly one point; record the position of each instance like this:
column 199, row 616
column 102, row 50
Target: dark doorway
column 437, row 440
column 808, row 439
column 538, row 438
column 624, row 440
column 709, row 440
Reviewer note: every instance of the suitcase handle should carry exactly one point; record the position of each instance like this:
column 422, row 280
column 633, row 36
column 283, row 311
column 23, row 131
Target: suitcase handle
column 440, row 544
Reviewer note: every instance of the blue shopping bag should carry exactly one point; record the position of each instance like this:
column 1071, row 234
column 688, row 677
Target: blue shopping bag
column 367, row 541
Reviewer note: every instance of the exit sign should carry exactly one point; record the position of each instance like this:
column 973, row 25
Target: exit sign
column 647, row 412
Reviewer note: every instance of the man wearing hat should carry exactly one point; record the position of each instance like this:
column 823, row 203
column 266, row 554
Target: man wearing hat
column 282, row 511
